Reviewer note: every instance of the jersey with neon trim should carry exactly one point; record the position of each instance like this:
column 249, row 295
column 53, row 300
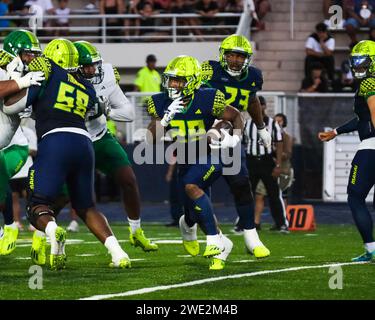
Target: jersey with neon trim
column 121, row 108
column 18, row 137
column 365, row 127
column 62, row 100
column 237, row 92
column 191, row 126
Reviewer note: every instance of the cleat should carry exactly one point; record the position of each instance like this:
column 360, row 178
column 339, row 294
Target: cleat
column 138, row 239
column 123, row 263
column 38, row 249
column 73, row 226
column 191, row 247
column 216, row 264
column 58, row 260
column 367, row 256
column 212, row 250
column 8, row 240
column 260, row 252
column 189, row 237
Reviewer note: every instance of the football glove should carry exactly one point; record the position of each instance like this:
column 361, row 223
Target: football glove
column 227, row 142
column 265, row 136
column 26, row 113
column 30, row 79
column 177, row 106
column 104, row 105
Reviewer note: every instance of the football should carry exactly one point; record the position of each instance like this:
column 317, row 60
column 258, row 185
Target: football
column 215, row 133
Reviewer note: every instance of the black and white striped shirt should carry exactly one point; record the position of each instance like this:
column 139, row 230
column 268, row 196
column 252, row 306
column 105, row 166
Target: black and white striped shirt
column 253, row 147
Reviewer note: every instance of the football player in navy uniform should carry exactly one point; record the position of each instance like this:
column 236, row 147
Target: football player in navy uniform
column 65, row 151
column 190, row 112
column 362, row 173
column 240, row 81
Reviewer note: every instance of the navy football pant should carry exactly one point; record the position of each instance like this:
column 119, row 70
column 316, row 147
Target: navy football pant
column 63, row 157
column 361, row 180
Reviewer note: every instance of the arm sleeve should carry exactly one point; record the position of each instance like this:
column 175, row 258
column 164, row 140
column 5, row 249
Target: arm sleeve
column 121, row 108
column 219, row 104
column 207, row 72
column 151, row 108
column 18, row 106
column 347, row 127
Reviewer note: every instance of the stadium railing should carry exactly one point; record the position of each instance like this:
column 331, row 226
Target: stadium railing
column 94, row 27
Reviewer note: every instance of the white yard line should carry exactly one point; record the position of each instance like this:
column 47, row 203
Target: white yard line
column 207, row 280
column 294, row 257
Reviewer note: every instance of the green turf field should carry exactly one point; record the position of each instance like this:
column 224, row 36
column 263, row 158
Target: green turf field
column 165, row 271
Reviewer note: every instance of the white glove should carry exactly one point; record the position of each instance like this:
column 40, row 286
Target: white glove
column 15, row 68
column 26, row 113
column 265, row 136
column 177, row 106
column 30, row 79
column 104, row 105
column 227, row 142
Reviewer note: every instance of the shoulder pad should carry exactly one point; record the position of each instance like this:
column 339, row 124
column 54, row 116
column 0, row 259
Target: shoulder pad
column 207, row 71
column 219, row 104
column 41, row 64
column 367, row 87
column 117, row 75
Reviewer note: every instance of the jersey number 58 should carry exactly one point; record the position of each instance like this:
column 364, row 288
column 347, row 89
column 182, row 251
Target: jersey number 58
column 71, row 99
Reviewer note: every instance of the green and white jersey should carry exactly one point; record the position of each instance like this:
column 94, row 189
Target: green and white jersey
column 121, row 108
column 10, row 133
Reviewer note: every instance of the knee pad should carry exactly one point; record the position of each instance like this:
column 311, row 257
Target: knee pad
column 37, row 206
column 242, row 191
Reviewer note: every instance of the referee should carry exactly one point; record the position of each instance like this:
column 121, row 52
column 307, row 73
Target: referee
column 263, row 164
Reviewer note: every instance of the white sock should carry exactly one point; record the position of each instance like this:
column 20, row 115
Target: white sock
column 51, row 232
column 215, row 240
column 114, row 249
column 370, row 246
column 251, row 239
column 134, row 224
column 228, row 245
column 12, row 225
column 189, row 234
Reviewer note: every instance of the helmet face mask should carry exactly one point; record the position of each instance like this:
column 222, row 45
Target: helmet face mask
column 360, row 66
column 93, row 72
column 90, row 62
column 235, row 54
column 235, row 62
column 181, row 77
column 362, row 59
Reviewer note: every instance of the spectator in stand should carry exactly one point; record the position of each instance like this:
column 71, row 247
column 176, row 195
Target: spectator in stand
column 4, row 10
column 63, row 21
column 131, row 8
column 319, row 48
column 233, row 6
column 184, row 6
column 360, row 14
column 147, row 10
column 316, row 81
column 262, row 7
column 163, row 5
column 92, row 5
column 148, row 78
column 207, row 9
column 112, row 7
column 326, row 5
column 47, row 8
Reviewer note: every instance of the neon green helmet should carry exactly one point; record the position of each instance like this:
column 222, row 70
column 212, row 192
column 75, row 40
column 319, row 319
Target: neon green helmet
column 21, row 41
column 187, row 71
column 235, row 44
column 63, row 53
column 362, row 59
column 89, row 55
